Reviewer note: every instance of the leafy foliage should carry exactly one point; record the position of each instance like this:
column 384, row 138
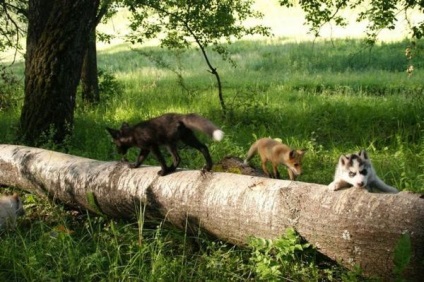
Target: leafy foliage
column 12, row 19
column 177, row 23
column 380, row 14
column 282, row 257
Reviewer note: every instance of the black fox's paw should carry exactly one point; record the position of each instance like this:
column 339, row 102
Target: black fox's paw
column 124, row 160
column 130, row 165
column 166, row 171
column 162, row 172
column 207, row 168
column 204, row 171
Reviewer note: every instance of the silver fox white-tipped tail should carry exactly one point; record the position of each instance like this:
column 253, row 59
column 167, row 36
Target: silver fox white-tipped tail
column 218, row 135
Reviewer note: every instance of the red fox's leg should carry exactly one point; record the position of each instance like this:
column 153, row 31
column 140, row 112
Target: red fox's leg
column 291, row 174
column 141, row 157
column 265, row 169
column 156, row 152
column 275, row 170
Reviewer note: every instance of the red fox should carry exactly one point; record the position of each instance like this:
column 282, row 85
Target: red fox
column 165, row 130
column 277, row 153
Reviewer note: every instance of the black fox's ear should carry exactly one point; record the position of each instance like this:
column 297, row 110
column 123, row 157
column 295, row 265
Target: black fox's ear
column 125, row 125
column 113, row 132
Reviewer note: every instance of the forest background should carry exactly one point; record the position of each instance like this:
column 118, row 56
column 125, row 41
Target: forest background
column 331, row 95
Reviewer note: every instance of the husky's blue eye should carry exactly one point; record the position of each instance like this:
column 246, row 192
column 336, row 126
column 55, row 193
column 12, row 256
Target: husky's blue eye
column 352, row 174
column 363, row 172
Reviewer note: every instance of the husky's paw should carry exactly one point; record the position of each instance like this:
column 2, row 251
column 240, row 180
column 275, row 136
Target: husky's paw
column 333, row 186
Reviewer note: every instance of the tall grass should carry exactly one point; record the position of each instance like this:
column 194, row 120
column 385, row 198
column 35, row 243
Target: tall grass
column 330, row 97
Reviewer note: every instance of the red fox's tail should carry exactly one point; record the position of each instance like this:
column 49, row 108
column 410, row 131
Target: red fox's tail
column 202, row 124
column 252, row 151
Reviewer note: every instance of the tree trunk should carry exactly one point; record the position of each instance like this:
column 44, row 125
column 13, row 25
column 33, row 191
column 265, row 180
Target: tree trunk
column 89, row 75
column 58, row 33
column 351, row 226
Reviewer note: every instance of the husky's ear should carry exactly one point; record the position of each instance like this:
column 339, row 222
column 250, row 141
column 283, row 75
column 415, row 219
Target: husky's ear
column 363, row 154
column 344, row 159
column 113, row 132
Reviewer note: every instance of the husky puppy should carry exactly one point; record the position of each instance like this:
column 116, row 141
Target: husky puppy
column 356, row 170
column 10, row 208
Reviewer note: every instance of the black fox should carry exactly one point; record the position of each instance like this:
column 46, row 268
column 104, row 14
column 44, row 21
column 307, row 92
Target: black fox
column 165, row 130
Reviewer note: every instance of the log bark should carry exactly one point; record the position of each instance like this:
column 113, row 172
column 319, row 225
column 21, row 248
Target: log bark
column 351, row 226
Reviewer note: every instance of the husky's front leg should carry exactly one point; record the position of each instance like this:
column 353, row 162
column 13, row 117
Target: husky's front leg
column 338, row 184
column 381, row 186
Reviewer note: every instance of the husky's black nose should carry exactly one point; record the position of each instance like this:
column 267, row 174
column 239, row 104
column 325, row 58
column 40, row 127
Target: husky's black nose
column 360, row 184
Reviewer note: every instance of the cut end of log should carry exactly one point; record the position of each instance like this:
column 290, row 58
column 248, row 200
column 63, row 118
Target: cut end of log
column 236, row 165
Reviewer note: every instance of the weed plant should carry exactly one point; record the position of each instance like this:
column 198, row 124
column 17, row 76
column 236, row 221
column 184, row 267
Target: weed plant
column 330, row 97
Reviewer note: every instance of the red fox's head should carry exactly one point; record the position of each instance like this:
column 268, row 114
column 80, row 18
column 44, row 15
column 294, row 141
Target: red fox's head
column 294, row 163
column 121, row 138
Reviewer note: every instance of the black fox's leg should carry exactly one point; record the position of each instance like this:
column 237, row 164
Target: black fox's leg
column 141, row 157
column 190, row 139
column 156, row 152
column 175, row 157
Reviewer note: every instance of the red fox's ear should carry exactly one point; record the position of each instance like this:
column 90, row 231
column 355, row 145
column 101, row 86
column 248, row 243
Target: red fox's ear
column 292, row 154
column 302, row 151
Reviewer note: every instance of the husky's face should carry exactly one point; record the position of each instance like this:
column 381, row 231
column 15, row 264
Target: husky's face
column 355, row 169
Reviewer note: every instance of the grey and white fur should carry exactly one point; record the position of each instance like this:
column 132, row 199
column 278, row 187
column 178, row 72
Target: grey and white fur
column 10, row 208
column 356, row 170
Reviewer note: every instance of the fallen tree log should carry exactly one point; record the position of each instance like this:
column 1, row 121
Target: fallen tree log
column 351, row 226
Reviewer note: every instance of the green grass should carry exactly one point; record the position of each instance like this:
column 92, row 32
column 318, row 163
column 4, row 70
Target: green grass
column 328, row 97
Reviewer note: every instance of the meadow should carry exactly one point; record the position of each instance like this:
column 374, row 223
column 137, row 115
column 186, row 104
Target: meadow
column 330, row 97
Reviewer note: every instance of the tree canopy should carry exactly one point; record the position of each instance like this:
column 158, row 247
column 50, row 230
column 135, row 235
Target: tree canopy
column 380, row 14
